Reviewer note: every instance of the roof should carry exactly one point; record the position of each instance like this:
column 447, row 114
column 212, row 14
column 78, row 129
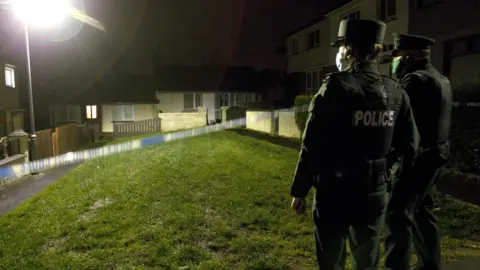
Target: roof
column 129, row 89
column 336, row 7
column 307, row 25
column 142, row 88
column 216, row 78
column 343, row 7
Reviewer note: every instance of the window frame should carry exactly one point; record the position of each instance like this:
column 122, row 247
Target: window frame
column 115, row 117
column 355, row 14
column 293, row 46
column 313, row 39
column 68, row 113
column 383, row 7
column 195, row 105
column 91, row 109
column 315, row 77
column 11, row 69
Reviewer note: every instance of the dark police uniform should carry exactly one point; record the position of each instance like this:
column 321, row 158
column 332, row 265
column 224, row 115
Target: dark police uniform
column 410, row 206
column 353, row 120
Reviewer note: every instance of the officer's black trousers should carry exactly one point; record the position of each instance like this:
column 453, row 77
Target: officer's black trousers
column 409, row 218
column 339, row 215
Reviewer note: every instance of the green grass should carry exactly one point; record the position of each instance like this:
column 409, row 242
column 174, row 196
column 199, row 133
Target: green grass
column 218, row 201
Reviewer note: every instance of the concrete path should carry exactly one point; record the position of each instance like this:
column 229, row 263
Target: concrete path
column 14, row 195
column 467, row 264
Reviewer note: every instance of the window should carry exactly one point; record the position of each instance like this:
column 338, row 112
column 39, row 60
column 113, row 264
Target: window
column 313, row 39
column 122, row 112
column 293, row 46
column 425, row 3
column 459, row 47
column 388, row 9
column 91, row 112
column 313, row 80
column 309, row 80
column 355, row 15
column 10, row 76
column 73, row 113
column 241, row 98
column 192, row 101
column 473, row 44
column 462, row 46
column 252, row 98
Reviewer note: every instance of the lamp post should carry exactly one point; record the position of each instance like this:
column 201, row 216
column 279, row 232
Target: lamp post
column 43, row 13
column 33, row 136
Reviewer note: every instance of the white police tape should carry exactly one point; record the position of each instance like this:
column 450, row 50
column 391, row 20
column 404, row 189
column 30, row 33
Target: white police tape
column 10, row 174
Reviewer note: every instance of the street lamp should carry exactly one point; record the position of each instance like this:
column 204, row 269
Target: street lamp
column 41, row 13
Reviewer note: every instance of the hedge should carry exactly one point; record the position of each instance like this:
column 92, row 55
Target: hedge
column 302, row 102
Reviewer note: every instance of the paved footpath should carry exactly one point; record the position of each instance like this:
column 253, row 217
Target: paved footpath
column 14, row 195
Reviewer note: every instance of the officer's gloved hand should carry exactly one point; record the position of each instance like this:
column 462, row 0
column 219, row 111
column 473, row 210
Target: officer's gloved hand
column 299, row 205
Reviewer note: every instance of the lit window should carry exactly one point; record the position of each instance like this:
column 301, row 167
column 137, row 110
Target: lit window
column 10, row 76
column 91, row 112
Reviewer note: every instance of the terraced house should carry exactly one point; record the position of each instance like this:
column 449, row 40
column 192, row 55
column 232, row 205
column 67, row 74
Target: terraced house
column 454, row 24
column 310, row 55
column 13, row 83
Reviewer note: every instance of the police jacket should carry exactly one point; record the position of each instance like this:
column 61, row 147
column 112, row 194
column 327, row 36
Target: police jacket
column 431, row 98
column 357, row 115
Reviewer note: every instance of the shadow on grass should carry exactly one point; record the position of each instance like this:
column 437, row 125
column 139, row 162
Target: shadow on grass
column 282, row 141
column 460, row 186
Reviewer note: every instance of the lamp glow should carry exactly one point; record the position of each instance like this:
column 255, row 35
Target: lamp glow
column 43, row 13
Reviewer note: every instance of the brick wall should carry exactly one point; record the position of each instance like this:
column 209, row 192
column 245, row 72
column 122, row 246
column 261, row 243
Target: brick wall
column 176, row 121
column 287, row 126
column 263, row 125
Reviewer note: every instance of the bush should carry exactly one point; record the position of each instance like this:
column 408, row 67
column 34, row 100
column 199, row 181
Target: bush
column 465, row 130
column 465, row 136
column 301, row 113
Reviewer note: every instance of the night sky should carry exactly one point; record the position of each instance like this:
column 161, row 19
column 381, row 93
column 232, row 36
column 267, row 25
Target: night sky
column 69, row 59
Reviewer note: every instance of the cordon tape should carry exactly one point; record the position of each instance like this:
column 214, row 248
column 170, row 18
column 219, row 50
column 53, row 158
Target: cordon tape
column 14, row 172
column 10, row 174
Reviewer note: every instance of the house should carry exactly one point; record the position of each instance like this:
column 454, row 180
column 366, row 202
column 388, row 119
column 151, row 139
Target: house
column 13, row 84
column 455, row 25
column 185, row 88
column 310, row 56
column 125, row 99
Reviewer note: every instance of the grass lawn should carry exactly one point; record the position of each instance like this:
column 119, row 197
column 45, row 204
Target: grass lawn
column 218, row 201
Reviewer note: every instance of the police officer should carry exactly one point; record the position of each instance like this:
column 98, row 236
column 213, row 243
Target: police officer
column 352, row 122
column 410, row 207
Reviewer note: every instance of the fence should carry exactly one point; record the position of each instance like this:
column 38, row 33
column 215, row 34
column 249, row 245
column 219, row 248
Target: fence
column 44, row 143
column 64, row 139
column 125, row 129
